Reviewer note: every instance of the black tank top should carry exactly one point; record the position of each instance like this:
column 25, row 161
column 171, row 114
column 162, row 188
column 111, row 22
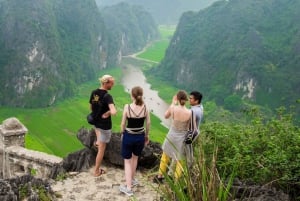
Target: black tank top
column 136, row 124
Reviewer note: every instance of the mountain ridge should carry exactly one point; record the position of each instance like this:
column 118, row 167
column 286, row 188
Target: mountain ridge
column 245, row 49
column 49, row 47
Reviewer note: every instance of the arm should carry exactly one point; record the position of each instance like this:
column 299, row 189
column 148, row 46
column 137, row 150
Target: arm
column 124, row 118
column 171, row 108
column 168, row 112
column 195, row 122
column 112, row 111
column 148, row 122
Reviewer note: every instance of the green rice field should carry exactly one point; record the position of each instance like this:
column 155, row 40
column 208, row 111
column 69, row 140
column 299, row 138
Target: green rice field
column 156, row 51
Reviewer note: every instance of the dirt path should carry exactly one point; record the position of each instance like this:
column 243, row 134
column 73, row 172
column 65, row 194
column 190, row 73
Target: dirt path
column 84, row 186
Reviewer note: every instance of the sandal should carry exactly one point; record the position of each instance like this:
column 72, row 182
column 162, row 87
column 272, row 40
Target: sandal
column 158, row 180
column 99, row 173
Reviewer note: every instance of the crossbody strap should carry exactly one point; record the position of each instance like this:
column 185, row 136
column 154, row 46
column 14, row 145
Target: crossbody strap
column 191, row 127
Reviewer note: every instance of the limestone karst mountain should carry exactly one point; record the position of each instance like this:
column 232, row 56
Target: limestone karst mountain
column 49, row 47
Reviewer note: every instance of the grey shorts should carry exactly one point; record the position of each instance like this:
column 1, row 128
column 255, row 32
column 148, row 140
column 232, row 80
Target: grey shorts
column 105, row 135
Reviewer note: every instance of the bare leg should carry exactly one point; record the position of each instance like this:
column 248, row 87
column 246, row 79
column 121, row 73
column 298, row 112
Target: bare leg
column 100, row 153
column 134, row 161
column 128, row 172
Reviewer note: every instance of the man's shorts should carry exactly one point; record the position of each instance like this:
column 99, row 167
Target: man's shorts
column 105, row 135
column 132, row 144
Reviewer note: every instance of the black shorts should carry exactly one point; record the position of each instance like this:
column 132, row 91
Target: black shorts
column 132, row 144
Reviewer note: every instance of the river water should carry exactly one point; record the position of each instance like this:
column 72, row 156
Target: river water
column 133, row 76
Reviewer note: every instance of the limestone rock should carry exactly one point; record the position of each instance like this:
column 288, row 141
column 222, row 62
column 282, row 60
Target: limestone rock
column 85, row 158
column 9, row 188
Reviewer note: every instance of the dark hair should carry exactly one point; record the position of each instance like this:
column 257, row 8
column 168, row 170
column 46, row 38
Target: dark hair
column 197, row 96
column 182, row 97
column 137, row 94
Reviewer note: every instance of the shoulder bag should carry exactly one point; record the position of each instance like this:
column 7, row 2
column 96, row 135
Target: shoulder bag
column 192, row 132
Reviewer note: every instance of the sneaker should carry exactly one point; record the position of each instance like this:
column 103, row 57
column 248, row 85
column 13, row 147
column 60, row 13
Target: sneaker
column 125, row 190
column 134, row 182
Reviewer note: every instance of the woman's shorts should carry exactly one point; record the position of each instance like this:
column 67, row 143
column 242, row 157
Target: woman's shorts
column 132, row 144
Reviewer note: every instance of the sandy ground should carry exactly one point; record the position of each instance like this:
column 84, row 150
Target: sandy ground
column 83, row 186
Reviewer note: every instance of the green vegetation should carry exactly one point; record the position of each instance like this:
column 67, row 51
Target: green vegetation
column 156, row 50
column 26, row 190
column 237, row 47
column 53, row 129
column 50, row 47
column 130, row 28
column 251, row 144
column 264, row 152
column 200, row 181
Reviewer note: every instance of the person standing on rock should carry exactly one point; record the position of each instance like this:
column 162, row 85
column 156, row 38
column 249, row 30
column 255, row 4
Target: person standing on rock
column 101, row 103
column 135, row 127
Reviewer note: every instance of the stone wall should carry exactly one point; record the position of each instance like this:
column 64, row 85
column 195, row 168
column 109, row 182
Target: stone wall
column 16, row 160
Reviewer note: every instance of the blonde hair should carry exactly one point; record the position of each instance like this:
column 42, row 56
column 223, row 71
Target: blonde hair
column 105, row 78
column 137, row 94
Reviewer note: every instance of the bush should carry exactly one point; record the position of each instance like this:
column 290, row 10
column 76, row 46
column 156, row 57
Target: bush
column 265, row 151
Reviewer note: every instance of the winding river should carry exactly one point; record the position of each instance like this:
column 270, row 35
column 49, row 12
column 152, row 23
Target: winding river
column 133, row 76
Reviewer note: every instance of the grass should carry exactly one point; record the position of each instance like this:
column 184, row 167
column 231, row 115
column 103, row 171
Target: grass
column 200, row 181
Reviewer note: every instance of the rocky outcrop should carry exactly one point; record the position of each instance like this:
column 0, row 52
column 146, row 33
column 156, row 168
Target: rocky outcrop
column 25, row 188
column 85, row 158
column 251, row 192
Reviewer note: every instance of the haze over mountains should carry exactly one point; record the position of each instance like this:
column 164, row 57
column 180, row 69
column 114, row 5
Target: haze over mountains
column 163, row 11
column 233, row 51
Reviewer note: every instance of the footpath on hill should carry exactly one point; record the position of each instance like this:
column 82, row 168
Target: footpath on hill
column 83, row 186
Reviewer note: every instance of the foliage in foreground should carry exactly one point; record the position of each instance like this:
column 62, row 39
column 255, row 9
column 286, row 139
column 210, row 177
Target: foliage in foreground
column 264, row 151
column 201, row 181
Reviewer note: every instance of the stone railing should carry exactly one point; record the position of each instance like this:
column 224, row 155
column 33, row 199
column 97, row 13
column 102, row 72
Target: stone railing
column 16, row 160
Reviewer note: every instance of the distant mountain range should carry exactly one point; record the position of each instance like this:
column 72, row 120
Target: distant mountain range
column 163, row 11
column 238, row 50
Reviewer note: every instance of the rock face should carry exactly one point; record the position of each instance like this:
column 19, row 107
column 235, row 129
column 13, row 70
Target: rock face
column 85, row 158
column 25, row 188
column 251, row 192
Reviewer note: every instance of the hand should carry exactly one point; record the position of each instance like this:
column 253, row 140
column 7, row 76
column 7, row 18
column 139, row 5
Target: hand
column 174, row 100
column 105, row 115
column 146, row 140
